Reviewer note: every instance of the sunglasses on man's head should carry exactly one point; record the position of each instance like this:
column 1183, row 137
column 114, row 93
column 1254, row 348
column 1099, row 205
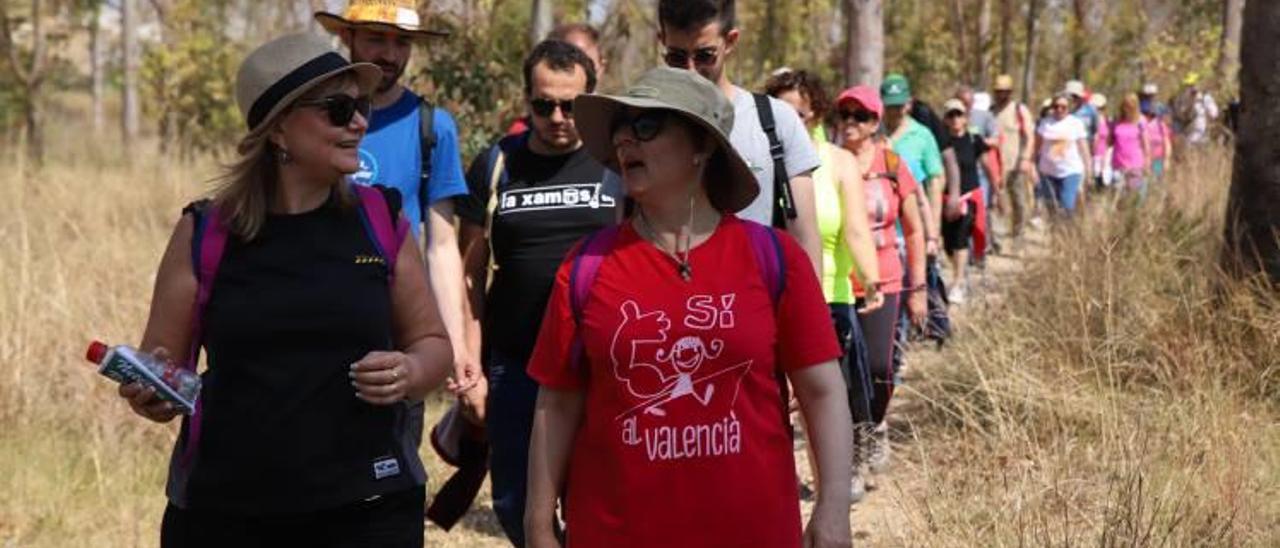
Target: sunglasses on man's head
column 860, row 116
column 702, row 57
column 341, row 107
column 546, row 107
column 644, row 126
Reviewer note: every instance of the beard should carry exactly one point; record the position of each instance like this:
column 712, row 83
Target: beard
column 390, row 76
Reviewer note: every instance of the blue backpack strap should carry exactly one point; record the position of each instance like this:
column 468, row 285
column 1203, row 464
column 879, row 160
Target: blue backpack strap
column 587, row 259
column 386, row 235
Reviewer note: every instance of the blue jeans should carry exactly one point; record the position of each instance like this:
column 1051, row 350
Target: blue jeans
column 1060, row 192
column 509, row 419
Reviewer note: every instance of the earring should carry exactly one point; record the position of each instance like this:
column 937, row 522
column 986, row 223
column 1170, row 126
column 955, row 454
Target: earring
column 697, row 160
column 284, row 157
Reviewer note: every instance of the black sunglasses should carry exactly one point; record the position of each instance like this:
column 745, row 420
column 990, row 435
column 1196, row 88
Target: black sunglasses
column 644, row 126
column 1060, row 106
column 702, row 57
column 860, row 116
column 341, row 107
column 955, row 113
column 546, row 107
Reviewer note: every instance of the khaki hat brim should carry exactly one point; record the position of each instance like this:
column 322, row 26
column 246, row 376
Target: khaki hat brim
column 368, row 75
column 594, row 114
column 335, row 24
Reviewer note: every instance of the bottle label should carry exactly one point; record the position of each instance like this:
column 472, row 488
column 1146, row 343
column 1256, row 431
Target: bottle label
column 122, row 367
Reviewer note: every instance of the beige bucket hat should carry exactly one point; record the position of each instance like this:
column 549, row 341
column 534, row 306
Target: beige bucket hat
column 279, row 72
column 687, row 94
column 394, row 15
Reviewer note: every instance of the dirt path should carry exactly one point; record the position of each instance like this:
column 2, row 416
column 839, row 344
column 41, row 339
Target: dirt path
column 883, row 518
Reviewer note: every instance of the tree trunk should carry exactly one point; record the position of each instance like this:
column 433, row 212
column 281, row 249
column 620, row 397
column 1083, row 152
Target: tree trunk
column 35, row 126
column 980, row 45
column 541, row 21
column 1229, row 47
column 129, row 41
column 961, row 41
column 95, row 66
column 1253, row 224
column 1029, row 64
column 1006, row 36
column 864, row 42
column 30, row 73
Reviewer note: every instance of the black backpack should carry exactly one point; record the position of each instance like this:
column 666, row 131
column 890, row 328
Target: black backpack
column 427, row 142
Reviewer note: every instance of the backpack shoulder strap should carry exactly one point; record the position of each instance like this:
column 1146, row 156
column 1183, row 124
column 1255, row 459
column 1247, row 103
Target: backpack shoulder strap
column 427, row 145
column 784, row 207
column 208, row 243
column 767, row 251
column 387, row 233
column 587, row 259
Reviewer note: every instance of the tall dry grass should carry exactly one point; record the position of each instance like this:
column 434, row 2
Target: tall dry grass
column 1121, row 393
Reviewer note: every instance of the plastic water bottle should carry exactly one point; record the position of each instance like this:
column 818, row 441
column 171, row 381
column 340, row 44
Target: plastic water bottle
column 125, row 364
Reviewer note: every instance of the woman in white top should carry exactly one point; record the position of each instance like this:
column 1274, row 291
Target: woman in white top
column 1062, row 156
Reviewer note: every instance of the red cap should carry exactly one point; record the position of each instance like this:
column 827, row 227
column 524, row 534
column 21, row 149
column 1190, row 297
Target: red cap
column 97, row 351
column 866, row 96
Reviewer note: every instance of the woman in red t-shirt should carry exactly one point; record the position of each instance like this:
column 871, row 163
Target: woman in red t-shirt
column 891, row 199
column 660, row 405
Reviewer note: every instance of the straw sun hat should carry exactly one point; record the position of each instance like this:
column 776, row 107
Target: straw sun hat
column 282, row 70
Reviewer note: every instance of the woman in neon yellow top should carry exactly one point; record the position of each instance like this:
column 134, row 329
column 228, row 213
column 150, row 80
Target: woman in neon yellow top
column 847, row 248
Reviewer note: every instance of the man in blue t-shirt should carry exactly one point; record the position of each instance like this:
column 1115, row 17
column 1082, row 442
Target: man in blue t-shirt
column 391, row 155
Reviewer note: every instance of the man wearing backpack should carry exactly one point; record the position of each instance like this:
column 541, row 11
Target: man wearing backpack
column 411, row 146
column 532, row 197
column 701, row 35
column 1017, row 131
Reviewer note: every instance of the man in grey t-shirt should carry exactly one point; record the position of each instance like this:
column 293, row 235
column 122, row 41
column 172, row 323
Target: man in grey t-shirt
column 700, row 35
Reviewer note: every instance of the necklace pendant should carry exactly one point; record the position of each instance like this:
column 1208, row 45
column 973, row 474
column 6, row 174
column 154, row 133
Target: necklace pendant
column 686, row 271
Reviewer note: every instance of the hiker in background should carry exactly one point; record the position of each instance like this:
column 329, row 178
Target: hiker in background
column 971, row 221
column 1156, row 127
column 1130, row 150
column 1102, row 174
column 701, row 35
column 983, row 124
column 1017, row 132
column 847, row 251
column 587, row 39
column 920, row 151
column 1062, row 154
column 682, row 321
column 517, row 227
column 892, row 199
column 412, row 147
column 1083, row 109
column 320, row 331
column 1193, row 112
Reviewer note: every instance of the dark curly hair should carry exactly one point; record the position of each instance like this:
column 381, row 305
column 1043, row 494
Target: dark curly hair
column 807, row 83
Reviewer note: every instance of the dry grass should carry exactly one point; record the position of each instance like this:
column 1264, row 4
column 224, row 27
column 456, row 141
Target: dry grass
column 1120, row 394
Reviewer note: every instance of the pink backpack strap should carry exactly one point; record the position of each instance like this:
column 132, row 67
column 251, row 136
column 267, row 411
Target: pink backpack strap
column 582, row 275
column 375, row 215
column 767, row 251
column 208, row 243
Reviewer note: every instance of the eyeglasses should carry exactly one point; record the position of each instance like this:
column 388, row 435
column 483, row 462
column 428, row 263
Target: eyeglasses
column 860, row 116
column 644, row 126
column 341, row 107
column 1060, row 106
column 702, row 57
column 546, row 107
column 955, row 114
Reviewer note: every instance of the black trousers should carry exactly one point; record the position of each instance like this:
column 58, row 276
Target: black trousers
column 390, row 521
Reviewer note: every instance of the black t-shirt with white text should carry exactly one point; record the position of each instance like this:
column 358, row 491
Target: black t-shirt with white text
column 545, row 206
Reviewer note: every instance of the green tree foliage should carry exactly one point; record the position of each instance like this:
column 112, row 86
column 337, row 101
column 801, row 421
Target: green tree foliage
column 189, row 81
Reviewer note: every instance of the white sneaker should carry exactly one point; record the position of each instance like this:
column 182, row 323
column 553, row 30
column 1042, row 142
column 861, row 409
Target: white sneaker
column 956, row 295
column 878, row 455
column 858, row 488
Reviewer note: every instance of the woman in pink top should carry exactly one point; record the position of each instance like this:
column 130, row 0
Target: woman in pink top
column 1159, row 139
column 1129, row 148
column 890, row 198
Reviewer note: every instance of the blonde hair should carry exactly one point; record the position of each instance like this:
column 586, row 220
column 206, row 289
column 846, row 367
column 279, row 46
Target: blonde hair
column 1129, row 110
column 248, row 185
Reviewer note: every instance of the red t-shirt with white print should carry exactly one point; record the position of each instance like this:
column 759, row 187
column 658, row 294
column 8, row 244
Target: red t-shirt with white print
column 683, row 440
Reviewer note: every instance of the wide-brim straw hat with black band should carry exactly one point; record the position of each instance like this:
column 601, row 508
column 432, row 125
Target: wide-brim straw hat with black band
column 689, row 95
column 282, row 70
column 390, row 15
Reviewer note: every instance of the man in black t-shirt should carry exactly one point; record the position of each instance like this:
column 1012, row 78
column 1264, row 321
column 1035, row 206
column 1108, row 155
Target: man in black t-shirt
column 533, row 196
column 970, row 222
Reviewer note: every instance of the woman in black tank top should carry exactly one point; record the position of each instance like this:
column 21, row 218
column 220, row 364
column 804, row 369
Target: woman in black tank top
column 317, row 335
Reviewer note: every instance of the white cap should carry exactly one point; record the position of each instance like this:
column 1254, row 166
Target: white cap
column 1075, row 87
column 1150, row 89
column 982, row 101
